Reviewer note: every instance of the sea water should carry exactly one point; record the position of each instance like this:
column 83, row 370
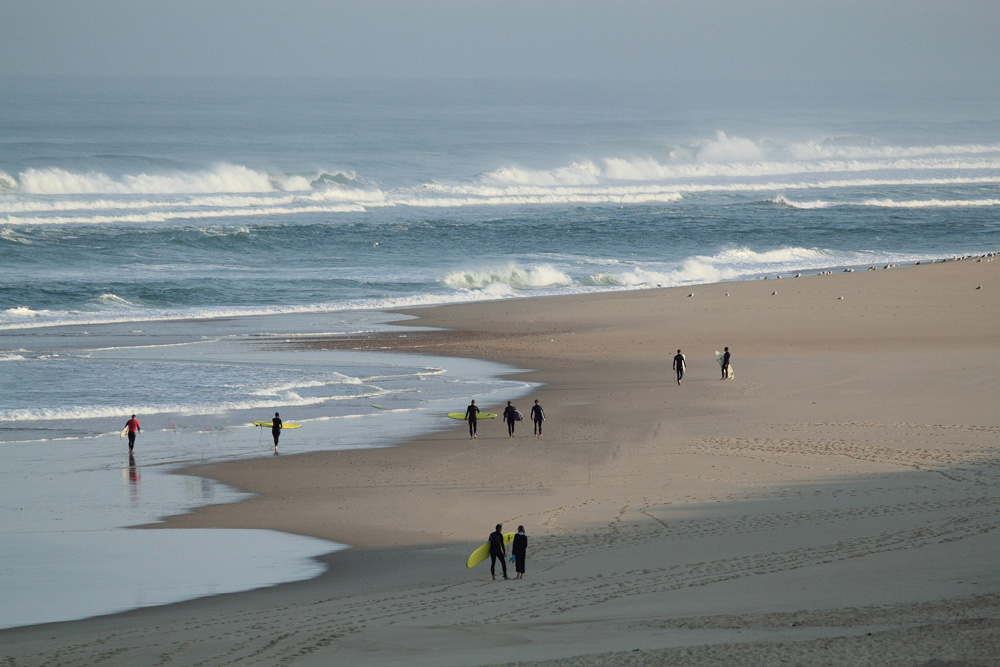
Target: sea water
column 163, row 240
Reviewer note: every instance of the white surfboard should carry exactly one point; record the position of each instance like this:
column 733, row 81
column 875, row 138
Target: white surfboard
column 719, row 356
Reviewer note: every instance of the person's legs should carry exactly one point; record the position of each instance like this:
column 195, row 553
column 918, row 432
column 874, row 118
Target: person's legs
column 472, row 428
column 493, row 565
column 538, row 427
column 131, row 440
column 510, row 428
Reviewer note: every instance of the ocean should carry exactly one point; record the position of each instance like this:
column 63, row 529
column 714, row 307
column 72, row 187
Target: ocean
column 157, row 236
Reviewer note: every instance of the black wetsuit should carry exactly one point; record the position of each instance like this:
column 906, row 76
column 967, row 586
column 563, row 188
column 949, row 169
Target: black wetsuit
column 470, row 414
column 497, row 552
column 275, row 429
column 725, row 364
column 537, row 416
column 679, row 365
column 519, row 548
column 509, row 417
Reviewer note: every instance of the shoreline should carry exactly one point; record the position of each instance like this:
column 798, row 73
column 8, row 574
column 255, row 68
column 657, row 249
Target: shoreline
column 798, row 487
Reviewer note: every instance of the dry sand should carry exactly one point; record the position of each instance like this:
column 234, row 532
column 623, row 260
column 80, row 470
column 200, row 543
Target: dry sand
column 836, row 503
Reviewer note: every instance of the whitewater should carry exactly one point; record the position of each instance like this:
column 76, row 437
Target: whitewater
column 163, row 242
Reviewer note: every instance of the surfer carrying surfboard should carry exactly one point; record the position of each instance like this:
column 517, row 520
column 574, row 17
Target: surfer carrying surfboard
column 276, row 430
column 470, row 413
column 132, row 425
column 497, row 551
column 725, row 364
column 511, row 415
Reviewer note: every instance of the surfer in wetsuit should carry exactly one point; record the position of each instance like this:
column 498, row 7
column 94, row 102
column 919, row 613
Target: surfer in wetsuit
column 725, row 365
column 133, row 428
column 679, row 365
column 510, row 416
column 276, row 430
column 537, row 416
column 470, row 414
column 497, row 551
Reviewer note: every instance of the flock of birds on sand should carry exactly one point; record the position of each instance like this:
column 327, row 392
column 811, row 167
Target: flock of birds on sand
column 987, row 257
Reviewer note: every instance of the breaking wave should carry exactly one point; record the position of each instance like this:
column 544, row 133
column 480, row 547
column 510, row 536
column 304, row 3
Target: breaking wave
column 222, row 178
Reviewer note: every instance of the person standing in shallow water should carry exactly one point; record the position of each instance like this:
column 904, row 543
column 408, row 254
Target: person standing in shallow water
column 276, row 430
column 537, row 416
column 519, row 547
column 497, row 551
column 471, row 413
column 680, row 365
column 133, row 429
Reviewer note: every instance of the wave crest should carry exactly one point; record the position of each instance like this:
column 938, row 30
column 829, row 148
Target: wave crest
column 512, row 276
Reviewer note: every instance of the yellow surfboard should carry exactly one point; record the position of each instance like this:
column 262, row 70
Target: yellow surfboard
column 483, row 552
column 124, row 432
column 481, row 415
column 284, row 425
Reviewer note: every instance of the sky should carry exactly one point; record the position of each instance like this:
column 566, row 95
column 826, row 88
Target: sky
column 752, row 40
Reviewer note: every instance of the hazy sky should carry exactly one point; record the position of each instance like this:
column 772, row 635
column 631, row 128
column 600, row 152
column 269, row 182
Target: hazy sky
column 640, row 39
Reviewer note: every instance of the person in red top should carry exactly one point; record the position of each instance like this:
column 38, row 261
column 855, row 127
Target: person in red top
column 133, row 427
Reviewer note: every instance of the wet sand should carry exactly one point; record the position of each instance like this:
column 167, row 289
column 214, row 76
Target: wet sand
column 835, row 503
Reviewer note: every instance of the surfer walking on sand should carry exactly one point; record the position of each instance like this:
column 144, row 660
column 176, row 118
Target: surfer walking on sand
column 133, row 428
column 537, row 416
column 276, row 430
column 510, row 414
column 680, row 364
column 471, row 413
column 725, row 365
column 497, row 551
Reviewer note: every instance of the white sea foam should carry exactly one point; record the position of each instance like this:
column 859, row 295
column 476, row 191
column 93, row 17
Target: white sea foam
column 512, row 275
column 288, row 387
column 221, row 178
column 889, row 203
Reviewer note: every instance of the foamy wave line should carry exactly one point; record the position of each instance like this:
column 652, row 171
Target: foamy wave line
column 614, row 169
column 351, row 196
column 105, row 412
column 289, row 399
column 308, row 384
column 890, row 203
column 822, row 150
column 165, row 216
column 682, row 188
column 542, row 199
column 222, row 178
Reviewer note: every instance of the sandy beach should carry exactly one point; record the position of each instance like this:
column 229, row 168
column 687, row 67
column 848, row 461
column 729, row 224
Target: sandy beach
column 835, row 503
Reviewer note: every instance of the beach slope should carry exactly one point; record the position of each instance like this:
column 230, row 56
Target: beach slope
column 836, row 503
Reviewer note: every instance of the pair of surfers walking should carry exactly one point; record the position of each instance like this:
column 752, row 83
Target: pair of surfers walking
column 680, row 365
column 511, row 415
